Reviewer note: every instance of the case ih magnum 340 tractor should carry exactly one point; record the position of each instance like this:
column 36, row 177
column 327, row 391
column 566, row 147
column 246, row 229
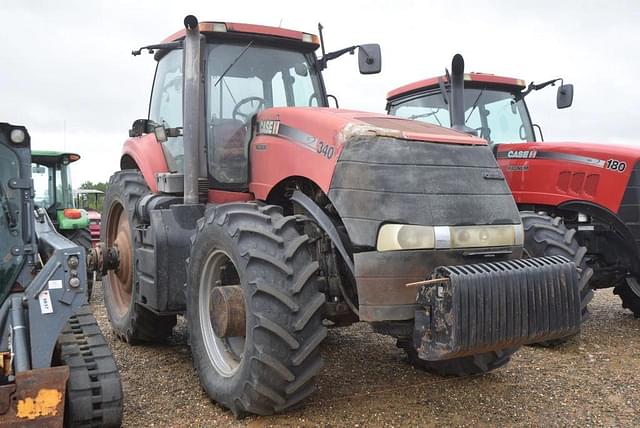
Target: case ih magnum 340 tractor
column 258, row 212
column 593, row 188
column 55, row 365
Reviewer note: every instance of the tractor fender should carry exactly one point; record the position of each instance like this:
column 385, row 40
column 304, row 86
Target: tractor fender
column 603, row 214
column 144, row 154
column 325, row 224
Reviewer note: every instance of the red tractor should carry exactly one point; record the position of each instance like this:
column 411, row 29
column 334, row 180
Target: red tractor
column 249, row 206
column 594, row 189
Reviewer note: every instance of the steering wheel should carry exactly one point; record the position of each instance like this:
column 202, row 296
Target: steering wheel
column 244, row 117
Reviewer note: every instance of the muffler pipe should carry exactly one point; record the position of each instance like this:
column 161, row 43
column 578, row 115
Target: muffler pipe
column 191, row 108
column 457, row 93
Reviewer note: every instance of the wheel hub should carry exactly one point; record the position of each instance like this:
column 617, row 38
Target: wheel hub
column 228, row 314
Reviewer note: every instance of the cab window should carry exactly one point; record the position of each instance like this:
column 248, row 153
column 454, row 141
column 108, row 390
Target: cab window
column 166, row 105
column 241, row 81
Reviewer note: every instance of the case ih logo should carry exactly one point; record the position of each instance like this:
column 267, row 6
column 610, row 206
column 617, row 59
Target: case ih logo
column 522, row 154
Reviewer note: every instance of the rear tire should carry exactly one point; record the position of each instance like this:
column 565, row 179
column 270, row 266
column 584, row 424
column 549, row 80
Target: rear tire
column 130, row 321
column 274, row 365
column 82, row 237
column 94, row 390
column 548, row 236
column 460, row 367
column 630, row 299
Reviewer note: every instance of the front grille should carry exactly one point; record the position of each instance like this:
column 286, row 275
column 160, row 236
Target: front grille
column 491, row 306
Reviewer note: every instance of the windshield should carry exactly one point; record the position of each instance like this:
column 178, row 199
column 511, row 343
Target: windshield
column 52, row 186
column 497, row 116
column 240, row 80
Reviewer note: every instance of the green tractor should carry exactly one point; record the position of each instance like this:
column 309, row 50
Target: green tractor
column 53, row 192
column 55, row 365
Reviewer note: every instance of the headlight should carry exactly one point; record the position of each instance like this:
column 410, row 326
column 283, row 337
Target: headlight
column 408, row 237
column 405, row 237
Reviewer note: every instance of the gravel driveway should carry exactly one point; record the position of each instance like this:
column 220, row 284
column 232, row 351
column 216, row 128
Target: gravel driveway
column 592, row 380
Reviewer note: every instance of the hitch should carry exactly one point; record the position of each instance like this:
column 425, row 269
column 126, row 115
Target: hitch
column 102, row 259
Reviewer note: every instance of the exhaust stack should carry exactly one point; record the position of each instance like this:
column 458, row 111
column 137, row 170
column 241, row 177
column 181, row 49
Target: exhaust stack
column 191, row 108
column 457, row 94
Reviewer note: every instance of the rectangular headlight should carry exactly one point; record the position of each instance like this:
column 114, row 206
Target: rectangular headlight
column 483, row 236
column 405, row 237
column 393, row 237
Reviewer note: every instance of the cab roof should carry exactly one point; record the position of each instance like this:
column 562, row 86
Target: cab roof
column 248, row 29
column 50, row 157
column 469, row 77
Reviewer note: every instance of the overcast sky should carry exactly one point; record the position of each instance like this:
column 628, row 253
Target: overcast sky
column 67, row 64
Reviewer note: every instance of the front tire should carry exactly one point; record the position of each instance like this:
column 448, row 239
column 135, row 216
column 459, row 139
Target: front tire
column 548, row 236
column 271, row 363
column 130, row 321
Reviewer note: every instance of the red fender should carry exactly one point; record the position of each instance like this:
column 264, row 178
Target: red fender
column 147, row 156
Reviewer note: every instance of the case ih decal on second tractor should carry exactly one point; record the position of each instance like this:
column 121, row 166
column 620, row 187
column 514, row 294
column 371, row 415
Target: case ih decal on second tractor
column 258, row 212
column 592, row 188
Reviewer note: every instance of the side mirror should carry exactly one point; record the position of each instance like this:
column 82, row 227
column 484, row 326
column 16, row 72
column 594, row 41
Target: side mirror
column 565, row 96
column 369, row 58
column 140, row 126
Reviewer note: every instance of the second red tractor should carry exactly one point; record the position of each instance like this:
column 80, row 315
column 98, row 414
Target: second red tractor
column 594, row 189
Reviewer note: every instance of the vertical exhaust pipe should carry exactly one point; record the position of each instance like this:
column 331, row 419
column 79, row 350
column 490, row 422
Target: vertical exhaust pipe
column 191, row 108
column 457, row 93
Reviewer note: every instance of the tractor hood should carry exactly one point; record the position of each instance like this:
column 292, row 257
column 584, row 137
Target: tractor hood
column 602, row 151
column 378, row 169
column 335, row 126
column 569, row 171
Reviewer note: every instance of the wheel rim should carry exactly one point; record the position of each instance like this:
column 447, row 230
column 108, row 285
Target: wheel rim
column 121, row 279
column 225, row 353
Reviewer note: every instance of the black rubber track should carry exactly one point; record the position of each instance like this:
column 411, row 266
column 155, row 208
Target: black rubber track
column 548, row 236
column 94, row 391
column 283, row 305
column 630, row 300
column 82, row 237
column 138, row 324
column 463, row 366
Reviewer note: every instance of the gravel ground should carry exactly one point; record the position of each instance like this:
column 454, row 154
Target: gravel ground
column 591, row 380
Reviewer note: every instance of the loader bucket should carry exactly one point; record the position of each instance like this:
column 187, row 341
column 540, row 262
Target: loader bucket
column 37, row 398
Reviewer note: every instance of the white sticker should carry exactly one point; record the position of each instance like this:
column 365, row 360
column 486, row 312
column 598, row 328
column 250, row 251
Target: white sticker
column 46, row 306
column 55, row 284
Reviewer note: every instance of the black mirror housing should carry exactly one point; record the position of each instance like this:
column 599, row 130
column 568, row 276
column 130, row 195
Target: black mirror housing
column 140, row 126
column 565, row 96
column 369, row 58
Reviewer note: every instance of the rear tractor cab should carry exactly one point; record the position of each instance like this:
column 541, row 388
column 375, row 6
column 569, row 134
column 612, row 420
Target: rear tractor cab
column 92, row 201
column 277, row 212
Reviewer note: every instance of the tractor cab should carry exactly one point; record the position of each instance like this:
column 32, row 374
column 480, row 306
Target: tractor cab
column 494, row 106
column 53, row 188
column 246, row 69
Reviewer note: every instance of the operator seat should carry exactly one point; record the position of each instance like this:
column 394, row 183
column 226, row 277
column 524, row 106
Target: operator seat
column 227, row 139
